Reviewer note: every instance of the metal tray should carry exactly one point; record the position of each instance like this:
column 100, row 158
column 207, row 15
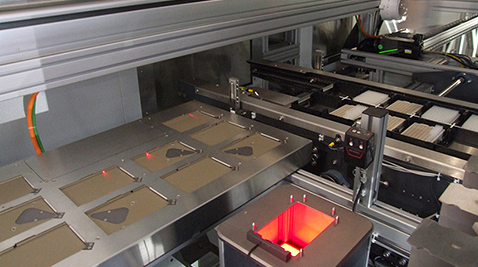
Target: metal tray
column 97, row 185
column 127, row 209
column 162, row 157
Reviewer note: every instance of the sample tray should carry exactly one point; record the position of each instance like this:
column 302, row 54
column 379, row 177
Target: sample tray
column 252, row 146
column 97, row 185
column 44, row 249
column 395, row 123
column 188, row 121
column 218, row 133
column 350, row 112
column 424, row 132
column 127, row 209
column 193, row 176
column 372, row 98
column 405, row 107
column 162, row 157
column 14, row 188
column 441, row 115
column 23, row 217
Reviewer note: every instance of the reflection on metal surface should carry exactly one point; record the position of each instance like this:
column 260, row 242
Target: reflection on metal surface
column 197, row 174
column 45, row 249
column 157, row 159
column 96, row 185
column 14, row 188
column 25, row 216
column 134, row 205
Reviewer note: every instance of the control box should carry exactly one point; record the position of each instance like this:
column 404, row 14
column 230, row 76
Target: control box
column 359, row 147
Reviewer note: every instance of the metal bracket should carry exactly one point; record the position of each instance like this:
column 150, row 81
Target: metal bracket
column 234, row 94
column 89, row 245
column 175, row 152
column 33, row 215
column 374, row 120
column 116, row 216
column 241, row 151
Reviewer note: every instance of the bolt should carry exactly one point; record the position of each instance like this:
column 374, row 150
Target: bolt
column 386, row 254
column 402, row 261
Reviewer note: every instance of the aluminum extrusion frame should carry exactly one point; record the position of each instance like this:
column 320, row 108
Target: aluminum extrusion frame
column 45, row 54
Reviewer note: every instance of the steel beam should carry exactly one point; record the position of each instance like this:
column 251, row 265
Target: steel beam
column 49, row 53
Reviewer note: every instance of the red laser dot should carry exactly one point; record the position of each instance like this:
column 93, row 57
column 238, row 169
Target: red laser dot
column 191, row 115
column 104, row 172
column 148, row 155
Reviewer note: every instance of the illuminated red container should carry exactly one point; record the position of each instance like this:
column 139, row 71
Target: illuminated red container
column 296, row 227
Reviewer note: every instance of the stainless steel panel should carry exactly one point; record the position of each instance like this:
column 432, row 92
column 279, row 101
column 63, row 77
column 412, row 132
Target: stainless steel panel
column 45, row 56
column 187, row 215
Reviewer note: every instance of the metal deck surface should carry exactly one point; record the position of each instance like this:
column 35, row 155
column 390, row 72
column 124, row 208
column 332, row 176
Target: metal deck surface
column 140, row 218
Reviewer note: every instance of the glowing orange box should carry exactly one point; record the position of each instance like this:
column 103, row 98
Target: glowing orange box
column 296, row 227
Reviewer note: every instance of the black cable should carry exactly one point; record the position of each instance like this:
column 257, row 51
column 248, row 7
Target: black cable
column 357, row 198
column 248, row 258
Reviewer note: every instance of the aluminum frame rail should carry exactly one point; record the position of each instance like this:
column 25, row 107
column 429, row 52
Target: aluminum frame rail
column 413, row 154
column 461, row 6
column 397, row 65
column 392, row 226
column 41, row 54
column 438, row 40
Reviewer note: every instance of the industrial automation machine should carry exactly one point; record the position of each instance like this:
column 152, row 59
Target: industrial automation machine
column 292, row 166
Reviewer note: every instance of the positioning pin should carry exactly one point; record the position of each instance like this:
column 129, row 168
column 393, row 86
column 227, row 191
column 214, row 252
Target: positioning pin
column 333, row 211
column 304, row 198
column 336, row 221
column 291, row 198
column 254, row 227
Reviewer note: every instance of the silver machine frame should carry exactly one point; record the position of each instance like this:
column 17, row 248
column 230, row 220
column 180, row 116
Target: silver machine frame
column 392, row 226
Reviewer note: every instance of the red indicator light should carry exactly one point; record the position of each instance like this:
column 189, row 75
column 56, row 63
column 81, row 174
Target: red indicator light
column 148, row 155
column 293, row 251
column 104, row 172
column 191, row 115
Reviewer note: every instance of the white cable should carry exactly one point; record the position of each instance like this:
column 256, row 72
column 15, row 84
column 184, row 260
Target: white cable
column 399, row 168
